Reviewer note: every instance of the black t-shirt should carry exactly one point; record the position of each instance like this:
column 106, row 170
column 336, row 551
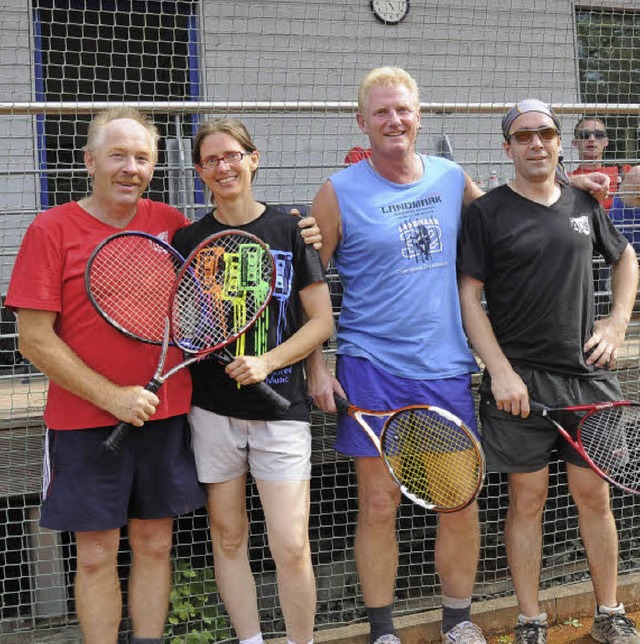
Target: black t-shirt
column 297, row 266
column 536, row 265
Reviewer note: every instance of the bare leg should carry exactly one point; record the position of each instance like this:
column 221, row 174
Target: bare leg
column 286, row 508
column 457, row 551
column 376, row 546
column 597, row 529
column 523, row 535
column 230, row 534
column 150, row 578
column 97, row 588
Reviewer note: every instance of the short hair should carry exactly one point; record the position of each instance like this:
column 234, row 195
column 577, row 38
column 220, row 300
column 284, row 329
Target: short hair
column 233, row 127
column 98, row 124
column 588, row 118
column 387, row 77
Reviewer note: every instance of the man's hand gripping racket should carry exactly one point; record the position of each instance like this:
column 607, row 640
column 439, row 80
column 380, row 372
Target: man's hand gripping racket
column 606, row 435
column 142, row 286
column 435, row 459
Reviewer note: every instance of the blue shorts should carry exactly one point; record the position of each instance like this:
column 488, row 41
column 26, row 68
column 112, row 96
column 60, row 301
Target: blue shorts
column 371, row 387
column 86, row 488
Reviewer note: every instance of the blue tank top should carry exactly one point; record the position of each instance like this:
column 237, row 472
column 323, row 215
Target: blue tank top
column 397, row 264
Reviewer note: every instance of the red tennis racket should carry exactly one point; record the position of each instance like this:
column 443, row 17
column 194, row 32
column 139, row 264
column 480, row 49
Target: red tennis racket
column 434, row 458
column 141, row 285
column 606, row 435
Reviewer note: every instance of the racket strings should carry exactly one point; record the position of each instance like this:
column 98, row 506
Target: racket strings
column 131, row 280
column 224, row 287
column 611, row 439
column 433, row 458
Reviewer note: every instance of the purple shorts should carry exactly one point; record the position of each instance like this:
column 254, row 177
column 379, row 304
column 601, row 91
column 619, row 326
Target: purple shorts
column 371, row 387
column 86, row 488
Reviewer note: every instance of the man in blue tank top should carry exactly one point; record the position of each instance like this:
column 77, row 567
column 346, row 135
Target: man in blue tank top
column 390, row 222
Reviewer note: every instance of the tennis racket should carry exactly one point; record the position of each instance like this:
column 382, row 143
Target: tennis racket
column 141, row 285
column 607, row 436
column 434, row 458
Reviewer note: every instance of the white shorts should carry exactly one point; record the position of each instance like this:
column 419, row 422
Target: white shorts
column 226, row 448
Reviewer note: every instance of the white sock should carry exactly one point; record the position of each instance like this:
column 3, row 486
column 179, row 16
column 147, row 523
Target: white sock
column 309, row 642
column 523, row 619
column 256, row 639
column 608, row 610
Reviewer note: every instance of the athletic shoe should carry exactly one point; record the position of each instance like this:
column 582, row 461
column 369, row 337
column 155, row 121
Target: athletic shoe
column 464, row 633
column 616, row 628
column 388, row 639
column 530, row 633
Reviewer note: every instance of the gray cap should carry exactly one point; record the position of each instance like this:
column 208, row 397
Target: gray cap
column 527, row 105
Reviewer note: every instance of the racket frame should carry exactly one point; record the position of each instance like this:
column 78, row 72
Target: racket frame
column 114, row 441
column 359, row 413
column 90, row 290
column 576, row 443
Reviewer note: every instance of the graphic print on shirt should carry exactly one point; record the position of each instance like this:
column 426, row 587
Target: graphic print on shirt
column 228, row 290
column 420, row 232
column 282, row 292
column 581, row 224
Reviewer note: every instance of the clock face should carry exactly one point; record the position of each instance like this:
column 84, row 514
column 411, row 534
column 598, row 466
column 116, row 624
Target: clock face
column 390, row 12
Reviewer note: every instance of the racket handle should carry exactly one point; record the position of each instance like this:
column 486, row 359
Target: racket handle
column 342, row 404
column 277, row 402
column 113, row 442
column 538, row 408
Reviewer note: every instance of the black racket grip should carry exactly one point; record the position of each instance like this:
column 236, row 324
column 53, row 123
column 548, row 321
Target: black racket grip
column 277, row 402
column 538, row 408
column 113, row 442
column 342, row 404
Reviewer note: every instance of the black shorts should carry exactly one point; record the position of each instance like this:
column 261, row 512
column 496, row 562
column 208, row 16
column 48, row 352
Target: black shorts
column 86, row 488
column 515, row 444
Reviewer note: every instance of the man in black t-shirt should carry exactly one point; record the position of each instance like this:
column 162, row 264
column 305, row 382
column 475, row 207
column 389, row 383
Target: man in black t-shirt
column 528, row 245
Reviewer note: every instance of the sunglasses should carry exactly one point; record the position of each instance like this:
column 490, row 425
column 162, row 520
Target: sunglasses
column 585, row 134
column 525, row 136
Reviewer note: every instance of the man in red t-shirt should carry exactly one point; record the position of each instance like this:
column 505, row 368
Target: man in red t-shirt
column 94, row 374
column 590, row 139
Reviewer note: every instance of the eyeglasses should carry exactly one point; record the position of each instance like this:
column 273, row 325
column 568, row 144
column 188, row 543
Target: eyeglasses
column 585, row 134
column 525, row 136
column 234, row 156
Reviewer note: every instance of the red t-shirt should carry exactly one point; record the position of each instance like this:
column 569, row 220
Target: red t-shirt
column 615, row 177
column 49, row 275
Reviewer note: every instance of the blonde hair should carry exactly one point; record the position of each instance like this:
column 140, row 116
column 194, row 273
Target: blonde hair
column 113, row 114
column 386, row 77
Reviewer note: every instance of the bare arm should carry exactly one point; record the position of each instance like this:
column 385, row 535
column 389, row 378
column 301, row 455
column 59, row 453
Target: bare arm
column 471, row 191
column 630, row 188
column 608, row 333
column 40, row 344
column 318, row 327
column 595, row 183
column 508, row 389
column 320, row 381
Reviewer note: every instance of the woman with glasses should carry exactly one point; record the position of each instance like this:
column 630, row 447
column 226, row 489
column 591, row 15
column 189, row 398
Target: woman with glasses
column 235, row 432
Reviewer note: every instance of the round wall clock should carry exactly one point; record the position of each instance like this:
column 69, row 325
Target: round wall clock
column 390, row 12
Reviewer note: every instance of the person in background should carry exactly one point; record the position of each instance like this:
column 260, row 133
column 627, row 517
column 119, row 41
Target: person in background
column 590, row 139
column 233, row 430
column 528, row 246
